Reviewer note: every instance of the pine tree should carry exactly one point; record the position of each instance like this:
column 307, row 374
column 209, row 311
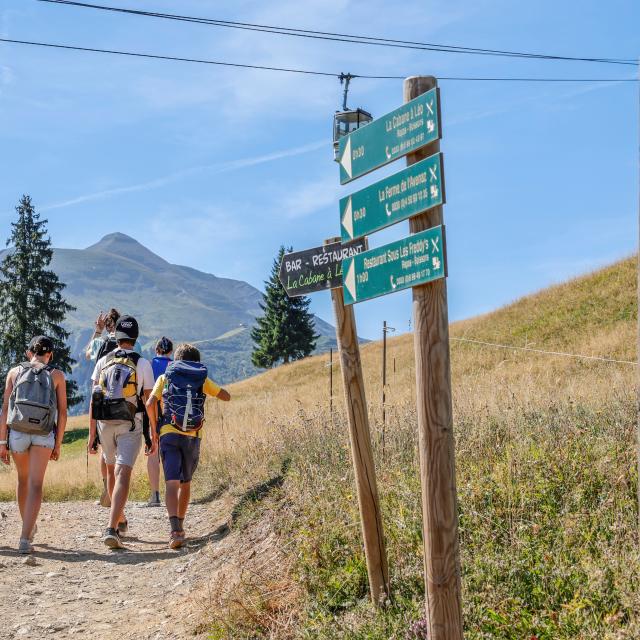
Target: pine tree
column 286, row 330
column 31, row 301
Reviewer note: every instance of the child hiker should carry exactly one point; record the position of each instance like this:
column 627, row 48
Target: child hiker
column 164, row 349
column 182, row 390
column 35, row 410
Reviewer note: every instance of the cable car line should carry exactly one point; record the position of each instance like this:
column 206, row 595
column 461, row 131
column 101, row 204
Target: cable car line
column 342, row 37
column 136, row 54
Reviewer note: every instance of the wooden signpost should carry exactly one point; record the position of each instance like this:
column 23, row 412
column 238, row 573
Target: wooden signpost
column 419, row 262
column 361, row 449
column 319, row 269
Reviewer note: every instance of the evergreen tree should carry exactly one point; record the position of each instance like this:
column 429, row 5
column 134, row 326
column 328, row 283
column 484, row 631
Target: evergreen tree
column 286, row 330
column 31, row 301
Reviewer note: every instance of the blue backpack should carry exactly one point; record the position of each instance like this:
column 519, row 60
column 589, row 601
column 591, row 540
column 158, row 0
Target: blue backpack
column 183, row 396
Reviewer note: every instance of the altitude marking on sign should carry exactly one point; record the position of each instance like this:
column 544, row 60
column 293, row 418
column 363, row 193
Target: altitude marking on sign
column 317, row 269
column 401, row 131
column 407, row 193
column 396, row 266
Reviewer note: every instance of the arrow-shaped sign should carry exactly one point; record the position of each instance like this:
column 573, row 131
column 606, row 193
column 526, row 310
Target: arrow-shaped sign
column 396, row 266
column 407, row 193
column 403, row 130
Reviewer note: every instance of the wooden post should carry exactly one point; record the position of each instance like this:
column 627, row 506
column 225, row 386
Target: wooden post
column 331, row 384
column 435, row 427
column 361, row 448
column 384, row 383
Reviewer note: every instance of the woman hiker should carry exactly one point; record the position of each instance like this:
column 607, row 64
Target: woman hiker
column 34, row 416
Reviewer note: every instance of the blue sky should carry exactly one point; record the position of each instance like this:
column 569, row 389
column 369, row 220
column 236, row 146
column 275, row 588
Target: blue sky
column 215, row 168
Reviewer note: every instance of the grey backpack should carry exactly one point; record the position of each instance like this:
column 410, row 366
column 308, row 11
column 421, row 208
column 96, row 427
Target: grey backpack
column 33, row 404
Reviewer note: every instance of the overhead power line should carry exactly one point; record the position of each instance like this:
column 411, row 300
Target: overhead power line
column 341, row 37
column 223, row 63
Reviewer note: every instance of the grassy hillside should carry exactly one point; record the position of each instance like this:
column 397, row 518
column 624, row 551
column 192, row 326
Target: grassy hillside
column 546, row 479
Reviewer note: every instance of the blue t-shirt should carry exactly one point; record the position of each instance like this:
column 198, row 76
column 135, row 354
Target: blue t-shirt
column 159, row 365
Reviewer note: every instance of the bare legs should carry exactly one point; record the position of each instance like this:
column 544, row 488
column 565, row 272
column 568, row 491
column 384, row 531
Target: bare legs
column 118, row 481
column 31, row 466
column 177, row 498
column 153, row 470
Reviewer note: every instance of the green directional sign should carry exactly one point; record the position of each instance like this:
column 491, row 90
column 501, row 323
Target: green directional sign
column 396, row 266
column 398, row 197
column 390, row 137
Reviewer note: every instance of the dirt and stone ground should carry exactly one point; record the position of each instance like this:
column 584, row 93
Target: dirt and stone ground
column 76, row 587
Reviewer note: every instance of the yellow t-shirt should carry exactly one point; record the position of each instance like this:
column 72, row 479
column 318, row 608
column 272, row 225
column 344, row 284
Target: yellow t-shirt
column 210, row 388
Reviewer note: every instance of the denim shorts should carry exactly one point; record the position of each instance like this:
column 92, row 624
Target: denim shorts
column 20, row 442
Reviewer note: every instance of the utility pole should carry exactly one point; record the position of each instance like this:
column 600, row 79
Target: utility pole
column 331, row 384
column 384, row 379
column 361, row 449
column 435, row 427
column 385, row 330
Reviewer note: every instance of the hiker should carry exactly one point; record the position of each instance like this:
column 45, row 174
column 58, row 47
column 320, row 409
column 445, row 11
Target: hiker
column 164, row 349
column 98, row 347
column 34, row 411
column 181, row 390
column 122, row 381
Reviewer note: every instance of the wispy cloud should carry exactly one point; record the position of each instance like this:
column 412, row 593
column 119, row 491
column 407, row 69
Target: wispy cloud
column 218, row 167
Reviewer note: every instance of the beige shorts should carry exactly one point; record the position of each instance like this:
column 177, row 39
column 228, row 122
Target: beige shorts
column 120, row 445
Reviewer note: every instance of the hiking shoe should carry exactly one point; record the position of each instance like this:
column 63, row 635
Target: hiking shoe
column 24, row 546
column 112, row 539
column 154, row 500
column 123, row 527
column 177, row 539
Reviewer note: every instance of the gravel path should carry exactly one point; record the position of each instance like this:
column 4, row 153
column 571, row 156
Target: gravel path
column 73, row 586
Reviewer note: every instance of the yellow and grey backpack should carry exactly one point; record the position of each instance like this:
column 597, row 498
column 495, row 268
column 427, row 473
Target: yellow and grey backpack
column 116, row 398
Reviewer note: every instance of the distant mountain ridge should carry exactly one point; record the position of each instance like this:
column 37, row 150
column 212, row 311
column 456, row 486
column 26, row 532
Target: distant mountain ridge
column 166, row 299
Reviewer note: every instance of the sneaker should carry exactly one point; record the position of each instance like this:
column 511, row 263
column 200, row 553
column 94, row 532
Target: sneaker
column 154, row 500
column 24, row 546
column 123, row 527
column 177, row 539
column 112, row 539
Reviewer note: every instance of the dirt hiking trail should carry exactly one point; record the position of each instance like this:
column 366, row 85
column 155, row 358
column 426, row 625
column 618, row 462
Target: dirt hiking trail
column 79, row 588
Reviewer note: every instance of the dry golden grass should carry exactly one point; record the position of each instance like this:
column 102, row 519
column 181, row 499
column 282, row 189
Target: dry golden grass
column 591, row 315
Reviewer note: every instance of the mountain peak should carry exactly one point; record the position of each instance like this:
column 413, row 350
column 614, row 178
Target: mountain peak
column 124, row 246
column 114, row 241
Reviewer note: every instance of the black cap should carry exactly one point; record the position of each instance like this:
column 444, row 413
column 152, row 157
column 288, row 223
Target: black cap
column 127, row 328
column 40, row 345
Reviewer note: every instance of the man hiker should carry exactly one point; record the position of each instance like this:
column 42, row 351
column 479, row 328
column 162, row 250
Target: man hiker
column 164, row 349
column 34, row 410
column 99, row 346
column 181, row 390
column 122, row 381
